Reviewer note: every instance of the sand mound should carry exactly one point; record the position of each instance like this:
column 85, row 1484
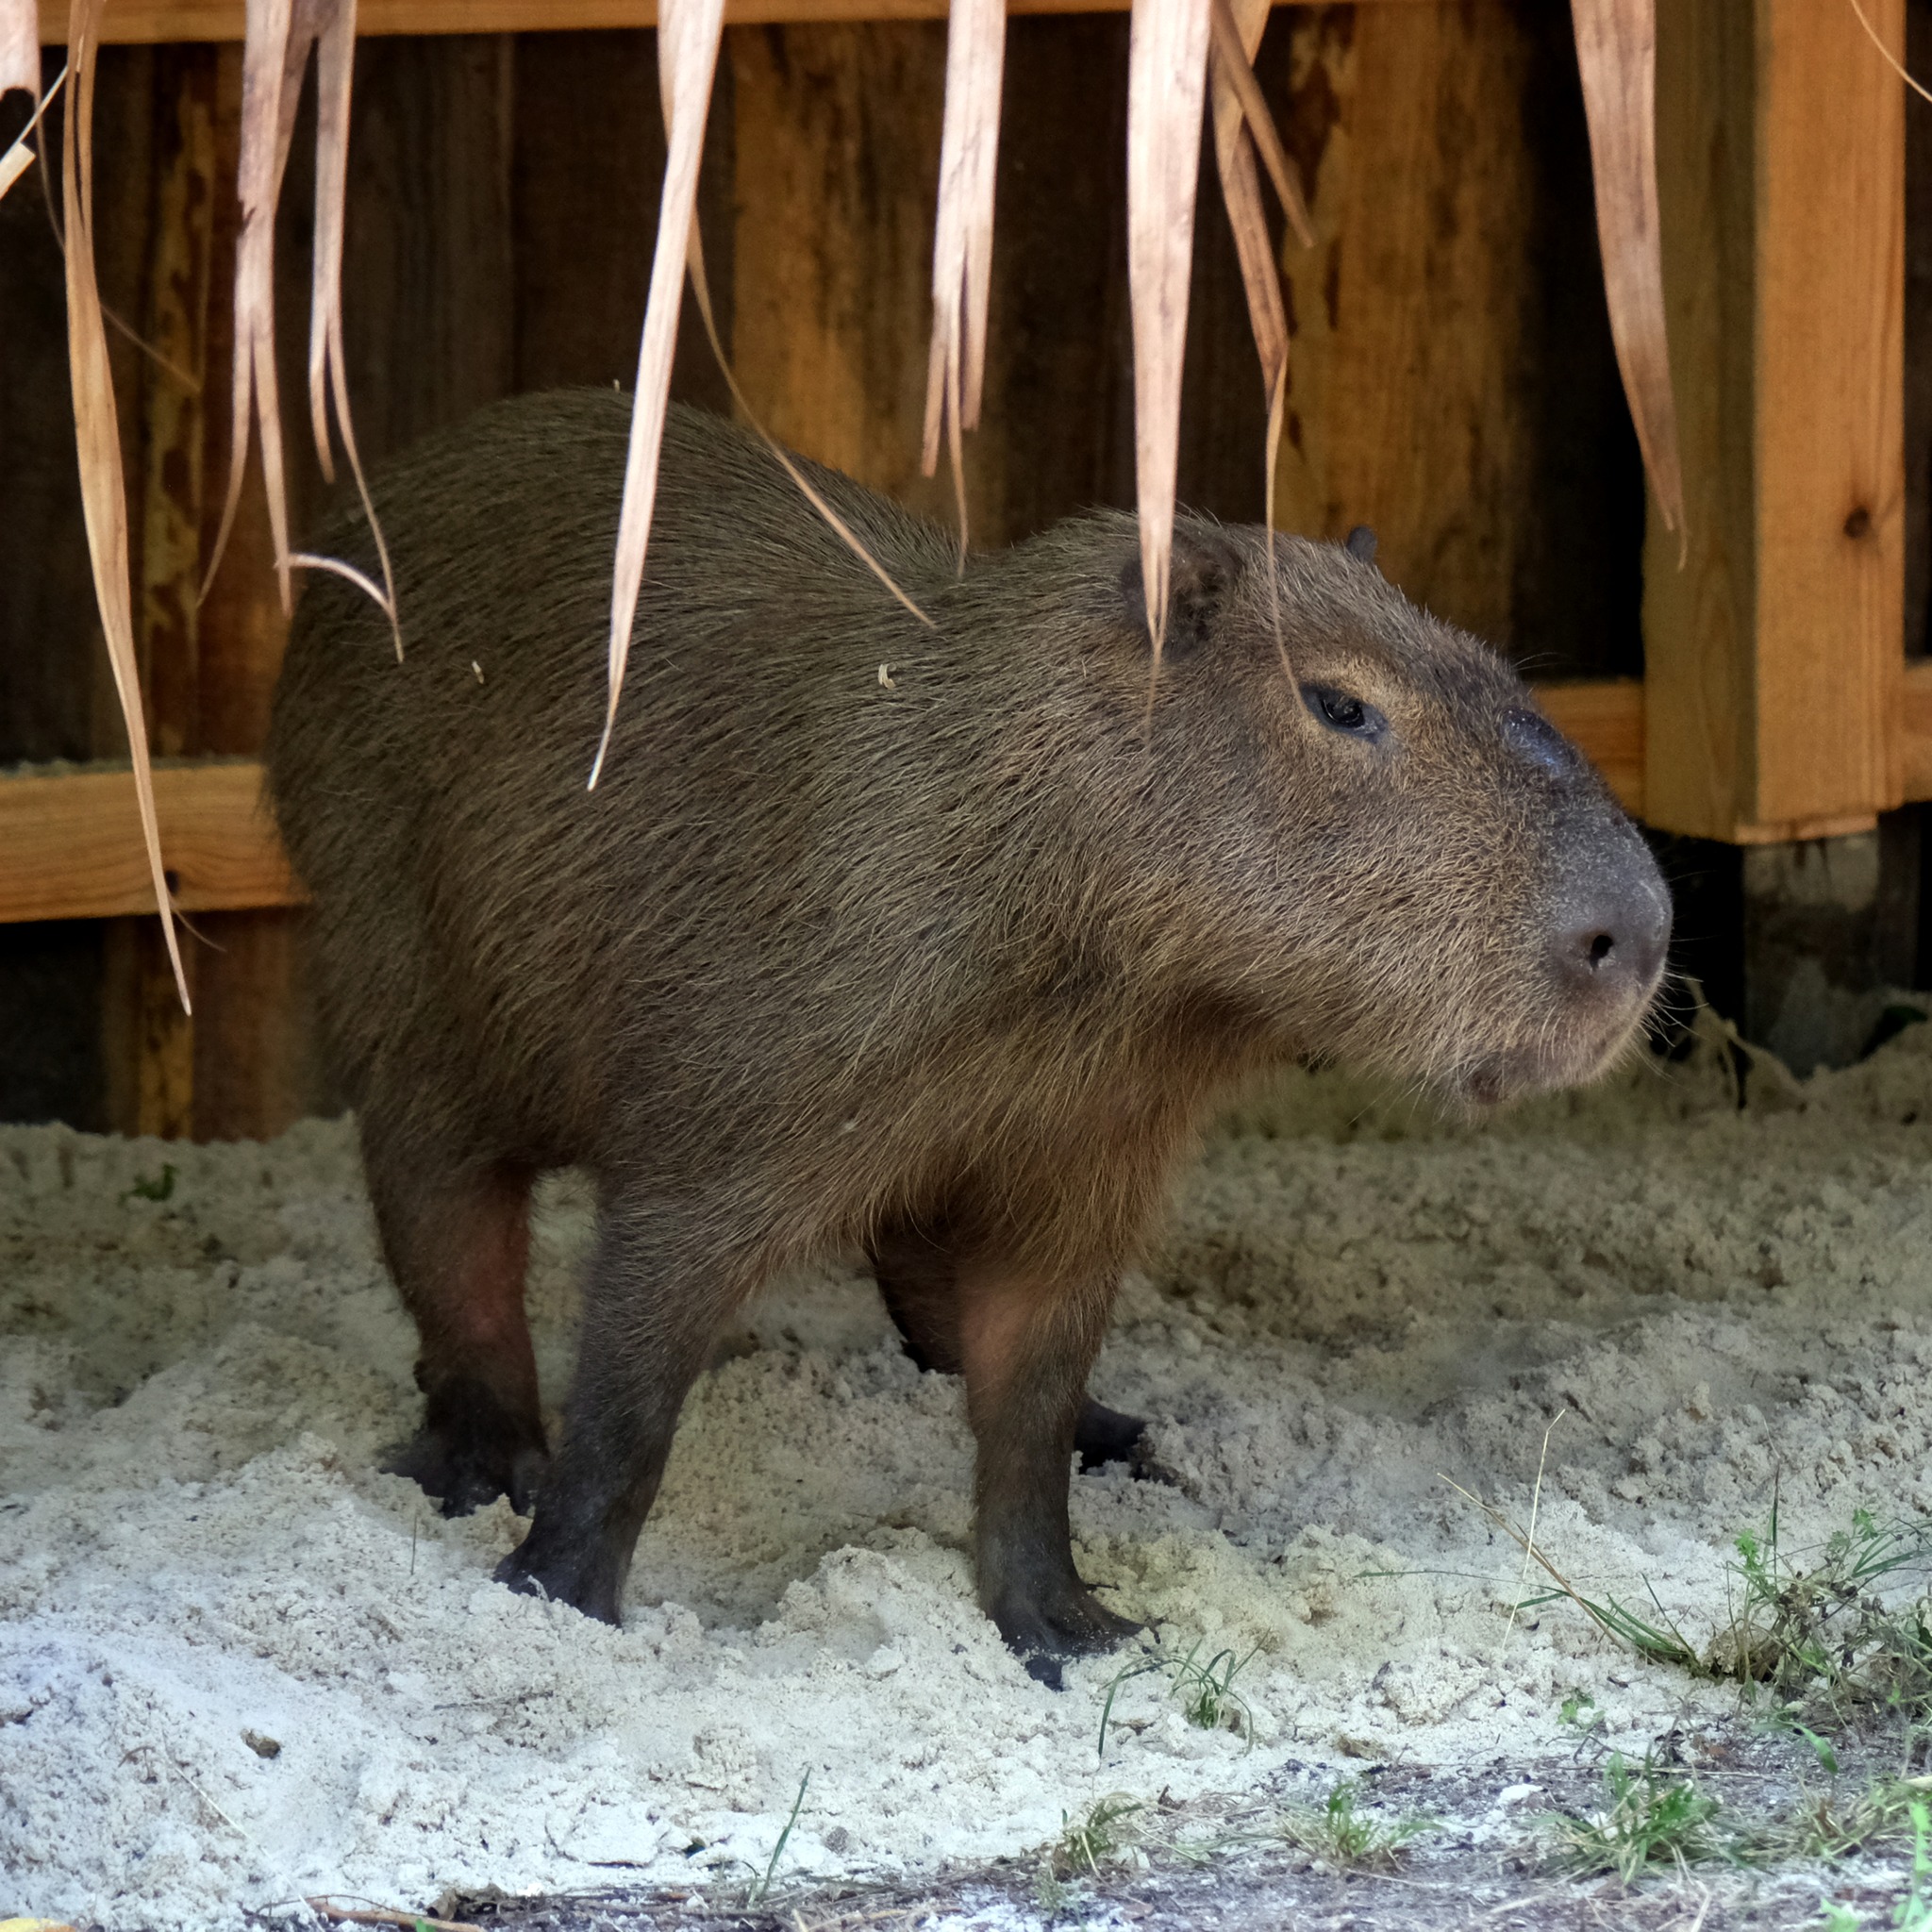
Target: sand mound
column 238, row 1665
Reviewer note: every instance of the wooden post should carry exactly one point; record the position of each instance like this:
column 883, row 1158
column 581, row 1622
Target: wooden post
column 1775, row 653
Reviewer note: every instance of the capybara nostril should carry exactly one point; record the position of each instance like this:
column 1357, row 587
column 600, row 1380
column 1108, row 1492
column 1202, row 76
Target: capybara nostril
column 1620, row 942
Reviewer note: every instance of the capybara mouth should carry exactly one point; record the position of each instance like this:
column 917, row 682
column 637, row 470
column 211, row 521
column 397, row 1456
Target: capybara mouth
column 1576, row 1059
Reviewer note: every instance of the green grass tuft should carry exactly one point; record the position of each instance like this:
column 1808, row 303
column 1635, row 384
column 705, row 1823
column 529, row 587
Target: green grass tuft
column 1346, row 1835
column 1647, row 1818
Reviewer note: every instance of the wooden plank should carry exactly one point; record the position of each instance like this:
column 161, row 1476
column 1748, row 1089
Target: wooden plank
column 72, row 841
column 70, row 845
column 221, row 20
column 1605, row 717
column 1774, row 655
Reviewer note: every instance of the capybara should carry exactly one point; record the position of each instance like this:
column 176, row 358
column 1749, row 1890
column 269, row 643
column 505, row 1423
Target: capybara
column 931, row 946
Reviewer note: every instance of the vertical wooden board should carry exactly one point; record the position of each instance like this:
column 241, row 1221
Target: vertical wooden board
column 588, row 144
column 428, row 301
column 1406, row 318
column 1057, row 424
column 1699, row 612
column 1451, row 377
column 1827, row 452
column 148, row 1042
column 170, row 485
column 1918, row 327
column 836, row 167
column 257, row 1062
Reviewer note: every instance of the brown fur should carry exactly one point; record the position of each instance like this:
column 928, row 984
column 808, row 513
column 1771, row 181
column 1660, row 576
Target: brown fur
column 945, row 972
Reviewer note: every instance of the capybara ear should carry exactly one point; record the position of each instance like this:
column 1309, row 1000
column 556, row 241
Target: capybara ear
column 1201, row 579
column 1360, row 544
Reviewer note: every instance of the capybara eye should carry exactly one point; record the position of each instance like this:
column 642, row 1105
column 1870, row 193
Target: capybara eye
column 1340, row 712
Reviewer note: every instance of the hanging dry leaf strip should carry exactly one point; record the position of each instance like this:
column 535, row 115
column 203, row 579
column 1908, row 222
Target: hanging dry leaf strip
column 688, row 36
column 1167, row 75
column 279, row 35
column 963, row 237
column 97, row 440
column 1616, row 54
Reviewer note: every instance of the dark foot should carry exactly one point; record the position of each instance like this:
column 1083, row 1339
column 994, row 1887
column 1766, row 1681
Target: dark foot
column 1104, row 1435
column 471, row 1449
column 1045, row 1627
column 585, row 1580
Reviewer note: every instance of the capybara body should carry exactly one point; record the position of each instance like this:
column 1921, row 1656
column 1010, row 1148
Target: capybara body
column 930, row 946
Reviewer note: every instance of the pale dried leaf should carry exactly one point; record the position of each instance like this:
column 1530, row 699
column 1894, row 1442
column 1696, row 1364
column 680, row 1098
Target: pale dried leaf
column 19, row 157
column 1241, row 189
column 20, row 46
column 701, row 293
column 963, row 237
column 1167, row 72
column 1235, row 37
column 97, row 440
column 335, row 65
column 688, row 36
column 1616, row 53
column 269, row 65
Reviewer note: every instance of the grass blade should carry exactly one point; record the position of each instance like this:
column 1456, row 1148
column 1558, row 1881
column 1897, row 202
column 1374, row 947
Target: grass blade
column 688, row 36
column 963, row 237
column 97, row 440
column 1616, row 54
column 1166, row 75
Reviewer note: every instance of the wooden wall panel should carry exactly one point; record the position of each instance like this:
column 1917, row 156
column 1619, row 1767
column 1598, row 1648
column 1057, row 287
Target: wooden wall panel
column 1451, row 379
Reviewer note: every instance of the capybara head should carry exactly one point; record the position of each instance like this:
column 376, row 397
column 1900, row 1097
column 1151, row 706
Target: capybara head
column 1351, row 826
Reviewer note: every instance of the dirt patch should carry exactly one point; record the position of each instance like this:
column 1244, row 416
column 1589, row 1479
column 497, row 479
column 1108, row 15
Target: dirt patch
column 199, row 1559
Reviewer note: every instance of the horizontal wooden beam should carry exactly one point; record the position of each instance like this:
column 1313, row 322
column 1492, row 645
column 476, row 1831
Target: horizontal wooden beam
column 131, row 21
column 1607, row 720
column 69, row 841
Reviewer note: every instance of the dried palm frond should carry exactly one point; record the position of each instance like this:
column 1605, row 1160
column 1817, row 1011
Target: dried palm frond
column 334, row 66
column 1616, row 54
column 1241, row 189
column 19, row 157
column 20, row 46
column 688, row 36
column 279, row 35
column 97, row 440
column 962, row 239
column 1166, row 75
column 1237, row 34
column 271, row 87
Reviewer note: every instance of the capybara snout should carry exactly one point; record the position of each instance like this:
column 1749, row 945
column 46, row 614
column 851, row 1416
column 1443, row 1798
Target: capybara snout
column 931, row 947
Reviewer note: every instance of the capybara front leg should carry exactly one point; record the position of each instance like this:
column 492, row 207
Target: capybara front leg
column 1027, row 1346
column 651, row 1313
column 919, row 1282
column 458, row 1240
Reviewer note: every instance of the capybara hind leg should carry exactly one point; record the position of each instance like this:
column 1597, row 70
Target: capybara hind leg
column 918, row 1280
column 652, row 1310
column 1027, row 1346
column 457, row 1242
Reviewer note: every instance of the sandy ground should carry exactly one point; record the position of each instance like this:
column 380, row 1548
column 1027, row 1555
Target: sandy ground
column 238, row 1665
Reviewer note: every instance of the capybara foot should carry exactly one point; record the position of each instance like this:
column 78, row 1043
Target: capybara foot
column 586, row 1580
column 1044, row 1627
column 471, row 1449
column 1104, row 1435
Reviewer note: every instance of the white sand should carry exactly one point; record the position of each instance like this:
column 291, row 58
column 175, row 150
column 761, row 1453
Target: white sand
column 195, row 1546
